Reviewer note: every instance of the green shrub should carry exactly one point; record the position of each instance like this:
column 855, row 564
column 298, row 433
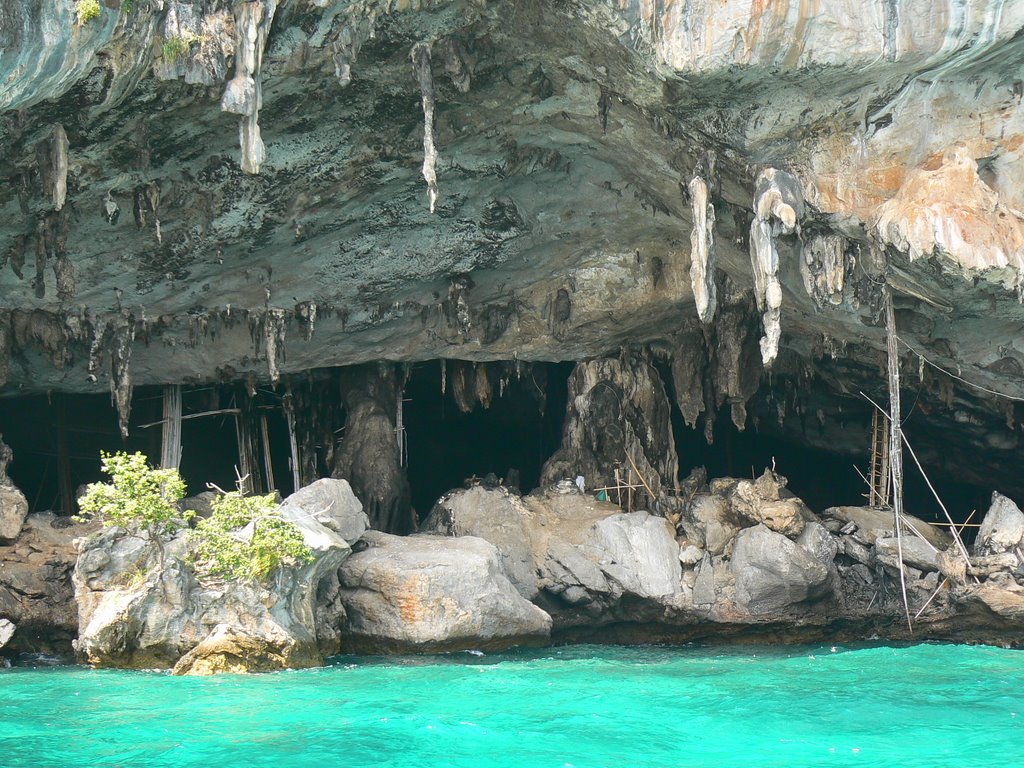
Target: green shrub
column 87, row 10
column 139, row 497
column 246, row 538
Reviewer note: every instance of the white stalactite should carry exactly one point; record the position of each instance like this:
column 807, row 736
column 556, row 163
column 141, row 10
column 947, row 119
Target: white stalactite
column 59, row 157
column 425, row 78
column 244, row 94
column 702, row 250
column 778, row 207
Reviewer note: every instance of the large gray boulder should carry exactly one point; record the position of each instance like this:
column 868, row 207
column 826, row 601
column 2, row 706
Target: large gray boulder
column 497, row 515
column 13, row 511
column 1002, row 529
column 142, row 604
column 709, row 522
column 866, row 524
column 772, row 572
column 917, row 553
column 434, row 593
column 566, row 550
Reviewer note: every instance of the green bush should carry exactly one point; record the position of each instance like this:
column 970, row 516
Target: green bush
column 246, row 538
column 87, row 10
column 139, row 497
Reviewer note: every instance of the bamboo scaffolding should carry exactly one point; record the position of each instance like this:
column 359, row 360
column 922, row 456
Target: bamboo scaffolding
column 170, row 442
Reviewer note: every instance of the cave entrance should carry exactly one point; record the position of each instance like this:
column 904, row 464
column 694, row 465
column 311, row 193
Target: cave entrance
column 471, row 429
column 57, row 439
column 820, row 477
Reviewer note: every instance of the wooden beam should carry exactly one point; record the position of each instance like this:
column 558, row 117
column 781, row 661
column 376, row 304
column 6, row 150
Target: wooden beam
column 268, row 465
column 170, row 445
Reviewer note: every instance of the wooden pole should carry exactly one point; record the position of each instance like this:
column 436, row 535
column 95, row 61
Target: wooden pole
column 293, row 443
column 170, row 445
column 896, row 441
column 67, row 493
column 268, row 465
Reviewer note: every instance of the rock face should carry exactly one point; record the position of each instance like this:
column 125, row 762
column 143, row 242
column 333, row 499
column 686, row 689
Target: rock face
column 773, row 572
column 429, row 593
column 13, row 511
column 36, row 592
column 583, row 561
column 1002, row 528
column 141, row 604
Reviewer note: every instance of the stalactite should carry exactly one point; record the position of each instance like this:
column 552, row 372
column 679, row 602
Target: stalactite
column 52, row 159
column 244, row 94
column 64, row 272
column 463, row 386
column 702, row 243
column 421, row 64
column 306, row 313
column 120, row 370
column 482, row 387
column 823, row 266
column 778, row 208
column 275, row 325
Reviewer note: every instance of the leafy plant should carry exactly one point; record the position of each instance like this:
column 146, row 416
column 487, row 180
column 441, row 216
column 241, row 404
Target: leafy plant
column 173, row 47
column 246, row 538
column 139, row 497
column 126, row 6
column 87, row 10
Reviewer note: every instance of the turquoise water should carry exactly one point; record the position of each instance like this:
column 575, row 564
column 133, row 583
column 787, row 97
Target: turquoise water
column 583, row 706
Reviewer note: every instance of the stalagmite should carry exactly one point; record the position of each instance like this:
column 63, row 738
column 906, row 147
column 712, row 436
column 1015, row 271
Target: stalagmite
column 778, row 208
column 244, row 94
column 618, row 419
column 369, row 457
column 702, row 246
column 421, row 64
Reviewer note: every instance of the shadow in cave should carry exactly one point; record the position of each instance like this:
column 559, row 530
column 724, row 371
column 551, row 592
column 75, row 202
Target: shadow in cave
column 520, row 430
column 821, row 478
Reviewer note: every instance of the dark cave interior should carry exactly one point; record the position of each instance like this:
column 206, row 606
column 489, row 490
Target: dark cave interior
column 57, row 440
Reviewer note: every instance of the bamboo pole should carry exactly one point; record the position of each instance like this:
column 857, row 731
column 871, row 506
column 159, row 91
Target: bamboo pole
column 268, row 464
column 896, row 441
column 170, row 444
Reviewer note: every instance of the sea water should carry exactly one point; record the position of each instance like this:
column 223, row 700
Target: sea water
column 584, row 706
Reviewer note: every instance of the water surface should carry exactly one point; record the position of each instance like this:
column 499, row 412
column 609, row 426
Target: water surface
column 585, row 706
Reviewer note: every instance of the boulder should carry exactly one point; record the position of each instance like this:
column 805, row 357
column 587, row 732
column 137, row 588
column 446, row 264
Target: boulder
column 564, row 544
column 142, row 604
column 761, row 501
column 1002, row 529
column 330, row 503
column 916, row 552
column 708, row 520
column 434, row 593
column 6, row 632
column 868, row 523
column 497, row 515
column 201, row 504
column 227, row 650
column 773, row 572
column 13, row 511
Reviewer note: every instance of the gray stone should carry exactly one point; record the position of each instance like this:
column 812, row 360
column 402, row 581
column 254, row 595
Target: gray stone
column 13, row 511
column 645, row 551
column 432, row 593
column 772, row 572
column 498, row 516
column 819, row 543
column 332, row 504
column 6, row 632
column 916, row 552
column 690, row 555
column 1002, row 528
column 704, row 586
column 141, row 603
column 708, row 520
column 870, row 523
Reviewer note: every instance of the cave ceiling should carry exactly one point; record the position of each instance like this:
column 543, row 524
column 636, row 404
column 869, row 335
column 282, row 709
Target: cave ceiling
column 588, row 153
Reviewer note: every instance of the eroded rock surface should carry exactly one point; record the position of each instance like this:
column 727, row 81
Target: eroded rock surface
column 142, row 604
column 430, row 593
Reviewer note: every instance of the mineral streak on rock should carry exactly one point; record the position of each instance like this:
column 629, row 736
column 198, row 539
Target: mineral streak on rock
column 421, row 65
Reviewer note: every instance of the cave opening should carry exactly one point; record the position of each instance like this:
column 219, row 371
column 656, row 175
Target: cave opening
column 452, row 438
column 820, row 477
column 56, row 440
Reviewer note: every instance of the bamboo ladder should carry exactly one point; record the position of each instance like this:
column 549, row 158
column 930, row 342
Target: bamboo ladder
column 878, row 473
